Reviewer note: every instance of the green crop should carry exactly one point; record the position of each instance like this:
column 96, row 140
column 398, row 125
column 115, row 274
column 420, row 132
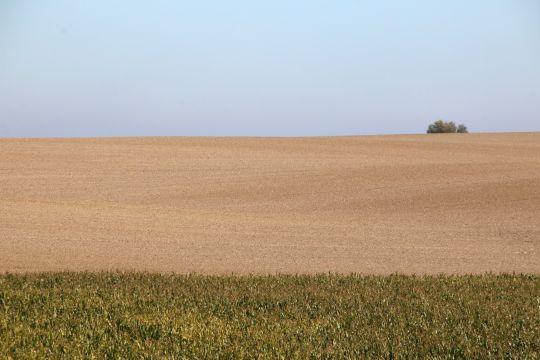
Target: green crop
column 141, row 315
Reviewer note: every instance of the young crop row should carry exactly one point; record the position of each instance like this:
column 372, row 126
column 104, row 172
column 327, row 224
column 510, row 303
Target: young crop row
column 141, row 315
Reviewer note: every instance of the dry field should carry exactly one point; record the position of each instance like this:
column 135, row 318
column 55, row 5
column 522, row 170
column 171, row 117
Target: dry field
column 373, row 204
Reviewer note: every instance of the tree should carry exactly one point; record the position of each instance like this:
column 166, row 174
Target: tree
column 440, row 126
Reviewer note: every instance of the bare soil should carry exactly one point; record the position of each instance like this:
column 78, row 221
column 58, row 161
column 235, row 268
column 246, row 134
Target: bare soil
column 456, row 203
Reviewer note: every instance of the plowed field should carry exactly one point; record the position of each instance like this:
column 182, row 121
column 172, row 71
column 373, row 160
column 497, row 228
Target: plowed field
column 457, row 203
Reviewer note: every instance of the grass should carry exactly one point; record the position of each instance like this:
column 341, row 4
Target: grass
column 141, row 315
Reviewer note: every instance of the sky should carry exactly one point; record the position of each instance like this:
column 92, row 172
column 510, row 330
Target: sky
column 266, row 68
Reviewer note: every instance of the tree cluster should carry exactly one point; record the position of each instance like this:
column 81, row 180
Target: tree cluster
column 441, row 126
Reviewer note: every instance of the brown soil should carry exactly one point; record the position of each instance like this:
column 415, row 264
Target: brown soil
column 372, row 204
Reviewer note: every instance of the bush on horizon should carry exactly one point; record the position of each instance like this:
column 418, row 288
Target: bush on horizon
column 441, row 127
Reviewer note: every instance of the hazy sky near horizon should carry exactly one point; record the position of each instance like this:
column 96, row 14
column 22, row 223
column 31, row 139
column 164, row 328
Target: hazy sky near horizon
column 266, row 68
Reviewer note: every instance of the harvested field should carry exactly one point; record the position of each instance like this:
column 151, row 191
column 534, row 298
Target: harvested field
column 372, row 204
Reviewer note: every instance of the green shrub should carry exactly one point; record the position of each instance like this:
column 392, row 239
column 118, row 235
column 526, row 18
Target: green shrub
column 462, row 129
column 441, row 126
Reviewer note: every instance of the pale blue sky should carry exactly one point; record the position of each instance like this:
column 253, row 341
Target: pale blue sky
column 271, row 68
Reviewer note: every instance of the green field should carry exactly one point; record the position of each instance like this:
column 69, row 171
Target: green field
column 138, row 315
